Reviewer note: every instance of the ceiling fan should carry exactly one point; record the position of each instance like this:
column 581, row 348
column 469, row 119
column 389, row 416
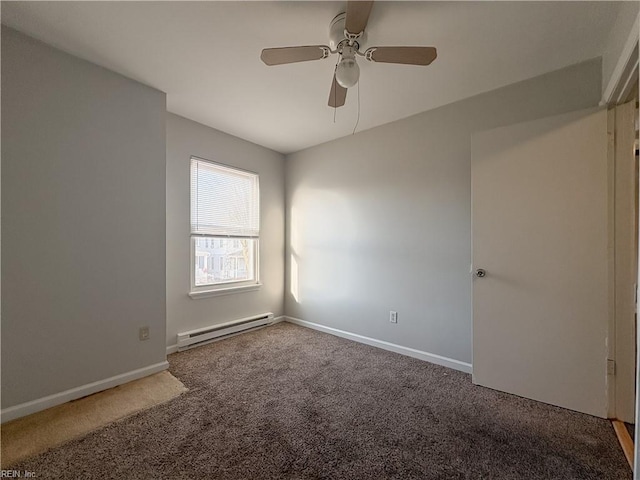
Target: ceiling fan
column 346, row 34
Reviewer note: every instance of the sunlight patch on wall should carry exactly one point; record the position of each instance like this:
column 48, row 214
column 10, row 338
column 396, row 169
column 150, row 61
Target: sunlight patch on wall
column 322, row 242
column 294, row 279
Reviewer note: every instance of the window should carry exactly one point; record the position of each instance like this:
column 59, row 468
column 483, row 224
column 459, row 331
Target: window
column 225, row 227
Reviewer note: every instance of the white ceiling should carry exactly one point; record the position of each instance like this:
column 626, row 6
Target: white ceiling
column 205, row 56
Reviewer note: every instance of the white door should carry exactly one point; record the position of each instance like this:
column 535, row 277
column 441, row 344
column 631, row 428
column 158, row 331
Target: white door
column 540, row 223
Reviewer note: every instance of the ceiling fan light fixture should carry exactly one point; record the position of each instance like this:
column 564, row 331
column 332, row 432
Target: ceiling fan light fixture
column 347, row 72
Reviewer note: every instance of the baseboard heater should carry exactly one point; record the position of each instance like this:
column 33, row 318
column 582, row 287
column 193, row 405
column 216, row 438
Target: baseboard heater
column 201, row 336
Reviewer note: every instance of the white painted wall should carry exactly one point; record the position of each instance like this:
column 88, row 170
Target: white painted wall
column 83, row 196
column 381, row 220
column 184, row 139
column 618, row 39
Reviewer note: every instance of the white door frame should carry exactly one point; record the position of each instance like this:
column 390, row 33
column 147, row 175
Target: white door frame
column 625, row 76
column 623, row 261
column 622, row 81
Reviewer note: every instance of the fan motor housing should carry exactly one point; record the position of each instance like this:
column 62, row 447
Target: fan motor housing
column 336, row 32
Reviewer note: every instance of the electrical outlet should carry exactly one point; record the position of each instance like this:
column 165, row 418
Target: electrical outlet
column 143, row 334
column 393, row 316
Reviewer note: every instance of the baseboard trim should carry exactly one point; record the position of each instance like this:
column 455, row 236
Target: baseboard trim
column 174, row 348
column 392, row 347
column 27, row 408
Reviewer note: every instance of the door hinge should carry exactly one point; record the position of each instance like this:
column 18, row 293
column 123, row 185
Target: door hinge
column 611, row 367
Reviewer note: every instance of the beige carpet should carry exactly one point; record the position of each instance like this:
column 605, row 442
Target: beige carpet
column 286, row 402
column 41, row 431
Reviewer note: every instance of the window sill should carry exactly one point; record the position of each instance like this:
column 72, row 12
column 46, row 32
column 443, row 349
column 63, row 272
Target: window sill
column 224, row 291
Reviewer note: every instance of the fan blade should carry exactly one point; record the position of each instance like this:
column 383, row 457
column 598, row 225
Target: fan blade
column 406, row 55
column 280, row 56
column 337, row 95
column 357, row 15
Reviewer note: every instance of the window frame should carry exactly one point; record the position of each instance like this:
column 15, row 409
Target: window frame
column 227, row 287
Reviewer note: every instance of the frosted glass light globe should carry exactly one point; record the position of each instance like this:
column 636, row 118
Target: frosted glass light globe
column 347, row 73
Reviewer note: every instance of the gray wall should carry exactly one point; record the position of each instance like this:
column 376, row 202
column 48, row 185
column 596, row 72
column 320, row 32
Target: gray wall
column 381, row 220
column 184, row 139
column 83, row 220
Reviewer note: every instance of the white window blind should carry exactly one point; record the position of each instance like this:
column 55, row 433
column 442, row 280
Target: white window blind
column 224, row 201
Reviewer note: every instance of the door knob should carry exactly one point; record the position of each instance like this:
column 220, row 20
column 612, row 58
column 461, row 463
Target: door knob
column 481, row 272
